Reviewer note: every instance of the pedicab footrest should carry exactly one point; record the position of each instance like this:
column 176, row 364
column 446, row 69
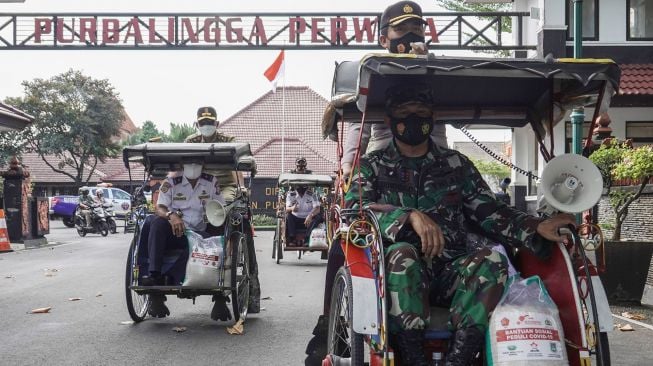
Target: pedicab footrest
column 177, row 289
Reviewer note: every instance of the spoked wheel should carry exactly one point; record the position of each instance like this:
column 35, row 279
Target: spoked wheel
column 104, row 229
column 344, row 345
column 279, row 242
column 276, row 239
column 137, row 305
column 604, row 360
column 239, row 275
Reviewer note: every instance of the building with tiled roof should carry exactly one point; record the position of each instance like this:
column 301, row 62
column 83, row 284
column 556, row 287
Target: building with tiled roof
column 636, row 79
column 260, row 123
column 12, row 118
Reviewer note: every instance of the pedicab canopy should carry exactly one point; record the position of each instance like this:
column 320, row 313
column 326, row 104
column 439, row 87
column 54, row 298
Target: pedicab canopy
column 474, row 91
column 314, row 180
column 161, row 158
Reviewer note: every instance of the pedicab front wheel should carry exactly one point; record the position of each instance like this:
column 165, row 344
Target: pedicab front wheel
column 342, row 342
column 239, row 275
column 137, row 304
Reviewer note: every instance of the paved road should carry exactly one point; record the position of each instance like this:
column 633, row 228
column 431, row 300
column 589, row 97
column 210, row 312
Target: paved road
column 89, row 331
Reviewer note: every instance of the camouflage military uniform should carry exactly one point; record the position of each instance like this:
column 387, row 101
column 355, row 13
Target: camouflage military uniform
column 226, row 178
column 446, row 186
column 228, row 188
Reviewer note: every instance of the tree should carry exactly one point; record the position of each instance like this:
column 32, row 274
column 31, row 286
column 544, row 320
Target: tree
column 179, row 132
column 75, row 118
column 618, row 160
column 493, row 172
column 459, row 6
column 143, row 134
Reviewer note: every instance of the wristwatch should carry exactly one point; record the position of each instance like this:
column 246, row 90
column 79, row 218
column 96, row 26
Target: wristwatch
column 177, row 212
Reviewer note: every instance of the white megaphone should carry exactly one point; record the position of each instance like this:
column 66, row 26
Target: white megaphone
column 570, row 183
column 216, row 212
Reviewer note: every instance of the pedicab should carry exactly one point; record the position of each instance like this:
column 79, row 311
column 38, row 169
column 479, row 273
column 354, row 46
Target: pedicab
column 507, row 93
column 231, row 222
column 315, row 241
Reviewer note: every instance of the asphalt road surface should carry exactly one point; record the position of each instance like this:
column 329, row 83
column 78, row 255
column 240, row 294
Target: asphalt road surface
column 91, row 331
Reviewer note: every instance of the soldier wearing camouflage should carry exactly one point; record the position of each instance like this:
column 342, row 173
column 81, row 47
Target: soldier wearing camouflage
column 445, row 187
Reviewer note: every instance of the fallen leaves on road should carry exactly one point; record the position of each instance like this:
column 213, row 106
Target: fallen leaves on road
column 179, row 329
column 266, row 298
column 237, row 329
column 9, row 276
column 307, row 270
column 98, row 294
column 50, row 272
column 41, row 310
column 634, row 316
column 624, row 327
column 74, row 298
column 127, row 322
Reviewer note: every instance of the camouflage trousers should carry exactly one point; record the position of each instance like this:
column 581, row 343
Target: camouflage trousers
column 471, row 286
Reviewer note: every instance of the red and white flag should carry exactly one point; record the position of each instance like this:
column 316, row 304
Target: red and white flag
column 274, row 73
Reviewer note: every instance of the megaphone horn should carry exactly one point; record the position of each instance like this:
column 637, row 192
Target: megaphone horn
column 571, row 183
column 216, row 212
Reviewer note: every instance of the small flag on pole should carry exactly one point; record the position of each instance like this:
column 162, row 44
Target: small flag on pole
column 274, row 73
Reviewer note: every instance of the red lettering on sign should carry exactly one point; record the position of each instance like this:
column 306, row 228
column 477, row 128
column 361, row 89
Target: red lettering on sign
column 152, row 37
column 60, row 28
column 430, row 31
column 134, row 30
column 41, row 26
column 110, row 31
column 297, row 26
column 231, row 31
column 521, row 334
column 338, row 29
column 88, row 30
column 366, row 27
column 187, row 27
column 211, row 28
column 258, row 31
column 317, row 33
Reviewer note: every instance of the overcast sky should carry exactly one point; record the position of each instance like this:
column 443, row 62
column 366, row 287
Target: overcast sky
column 168, row 86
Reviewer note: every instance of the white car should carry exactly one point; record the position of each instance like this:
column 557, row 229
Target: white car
column 120, row 199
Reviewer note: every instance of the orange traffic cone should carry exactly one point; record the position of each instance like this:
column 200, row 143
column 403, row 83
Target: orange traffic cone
column 4, row 235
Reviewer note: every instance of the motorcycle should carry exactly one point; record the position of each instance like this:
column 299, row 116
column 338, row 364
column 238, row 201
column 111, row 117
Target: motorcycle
column 98, row 225
column 111, row 217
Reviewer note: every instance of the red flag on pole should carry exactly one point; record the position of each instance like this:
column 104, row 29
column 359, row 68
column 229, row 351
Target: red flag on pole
column 274, row 73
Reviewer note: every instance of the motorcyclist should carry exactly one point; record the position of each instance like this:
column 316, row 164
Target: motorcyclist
column 99, row 198
column 86, row 203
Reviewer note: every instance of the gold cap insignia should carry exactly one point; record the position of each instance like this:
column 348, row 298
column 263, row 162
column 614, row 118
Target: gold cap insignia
column 408, row 9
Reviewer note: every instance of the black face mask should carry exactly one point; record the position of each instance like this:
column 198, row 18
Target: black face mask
column 402, row 44
column 412, row 130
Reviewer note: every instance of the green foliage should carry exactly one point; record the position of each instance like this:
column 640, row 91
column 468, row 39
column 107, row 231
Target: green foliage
column 179, row 132
column 144, row 134
column 617, row 160
column 264, row 220
column 492, row 171
column 75, row 118
column 506, row 22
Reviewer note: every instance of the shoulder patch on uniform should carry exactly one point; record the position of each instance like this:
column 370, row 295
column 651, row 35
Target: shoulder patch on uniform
column 207, row 176
column 177, row 180
column 165, row 187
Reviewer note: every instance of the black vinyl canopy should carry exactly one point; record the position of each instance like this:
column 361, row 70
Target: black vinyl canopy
column 476, row 91
column 318, row 180
column 161, row 158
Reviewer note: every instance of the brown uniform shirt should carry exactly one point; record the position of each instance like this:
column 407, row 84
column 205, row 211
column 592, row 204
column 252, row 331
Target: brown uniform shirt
column 226, row 178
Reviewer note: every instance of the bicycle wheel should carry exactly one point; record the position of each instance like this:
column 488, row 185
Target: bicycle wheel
column 137, row 305
column 275, row 241
column 239, row 275
column 342, row 341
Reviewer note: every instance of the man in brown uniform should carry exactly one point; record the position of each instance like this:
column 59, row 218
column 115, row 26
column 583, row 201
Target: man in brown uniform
column 207, row 124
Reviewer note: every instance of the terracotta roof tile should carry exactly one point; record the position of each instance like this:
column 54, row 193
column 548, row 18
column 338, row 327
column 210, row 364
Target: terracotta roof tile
column 636, row 79
column 260, row 122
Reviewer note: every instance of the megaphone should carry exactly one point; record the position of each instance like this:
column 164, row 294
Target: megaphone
column 216, row 212
column 571, row 183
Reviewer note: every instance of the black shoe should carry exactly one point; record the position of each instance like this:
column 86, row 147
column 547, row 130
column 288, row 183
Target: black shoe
column 410, row 345
column 152, row 280
column 316, row 349
column 220, row 310
column 158, row 308
column 464, row 346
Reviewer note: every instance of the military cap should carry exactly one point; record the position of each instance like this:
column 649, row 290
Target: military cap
column 409, row 92
column 400, row 12
column 207, row 113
